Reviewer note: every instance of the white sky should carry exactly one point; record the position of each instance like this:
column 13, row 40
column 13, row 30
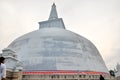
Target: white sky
column 97, row 20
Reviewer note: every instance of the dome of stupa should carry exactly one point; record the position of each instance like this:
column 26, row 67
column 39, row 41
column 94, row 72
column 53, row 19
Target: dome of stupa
column 52, row 47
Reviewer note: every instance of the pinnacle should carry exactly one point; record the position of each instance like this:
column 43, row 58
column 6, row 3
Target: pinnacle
column 53, row 13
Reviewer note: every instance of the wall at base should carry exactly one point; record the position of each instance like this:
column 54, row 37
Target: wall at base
column 63, row 77
column 11, row 75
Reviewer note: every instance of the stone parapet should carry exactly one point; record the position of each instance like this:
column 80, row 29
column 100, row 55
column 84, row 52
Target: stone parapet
column 11, row 75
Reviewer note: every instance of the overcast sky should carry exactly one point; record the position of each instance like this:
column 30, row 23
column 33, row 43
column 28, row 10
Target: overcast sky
column 96, row 20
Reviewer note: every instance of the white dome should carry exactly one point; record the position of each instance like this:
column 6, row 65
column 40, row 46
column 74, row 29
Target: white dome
column 54, row 48
column 57, row 49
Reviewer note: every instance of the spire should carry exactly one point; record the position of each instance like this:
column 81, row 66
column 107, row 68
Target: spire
column 53, row 13
column 53, row 21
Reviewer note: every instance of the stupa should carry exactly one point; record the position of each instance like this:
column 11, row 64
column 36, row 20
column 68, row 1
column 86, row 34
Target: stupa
column 53, row 49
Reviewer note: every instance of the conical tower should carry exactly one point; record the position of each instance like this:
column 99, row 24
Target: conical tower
column 53, row 13
column 53, row 20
